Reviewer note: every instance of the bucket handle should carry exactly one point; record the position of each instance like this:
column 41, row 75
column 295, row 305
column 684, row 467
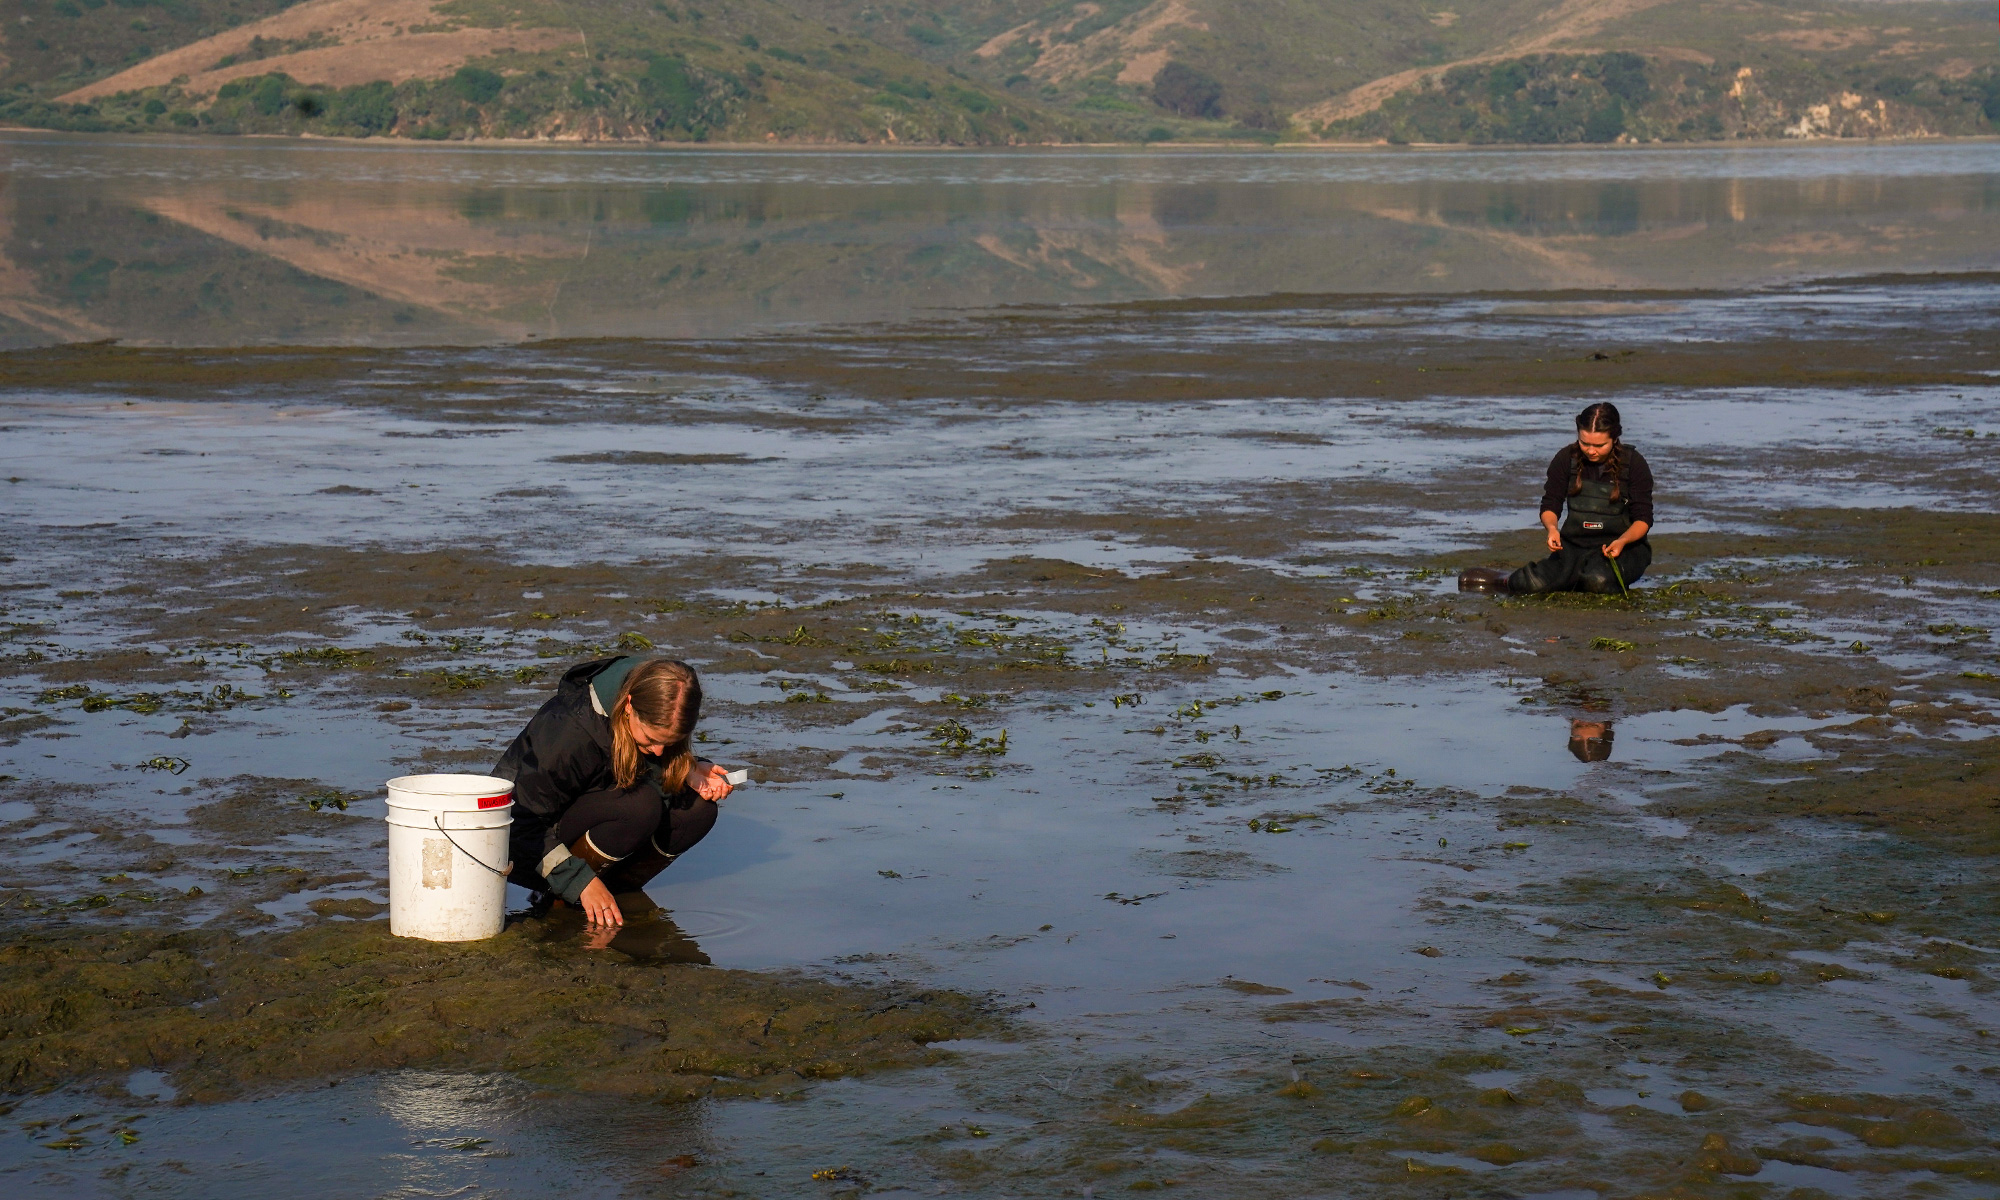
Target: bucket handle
column 439, row 822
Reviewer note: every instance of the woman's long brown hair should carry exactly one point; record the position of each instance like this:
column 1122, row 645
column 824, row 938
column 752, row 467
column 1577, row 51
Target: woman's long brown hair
column 1601, row 417
column 665, row 694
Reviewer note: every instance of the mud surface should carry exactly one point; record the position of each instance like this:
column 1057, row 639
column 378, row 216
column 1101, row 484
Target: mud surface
column 224, row 1014
column 1102, row 662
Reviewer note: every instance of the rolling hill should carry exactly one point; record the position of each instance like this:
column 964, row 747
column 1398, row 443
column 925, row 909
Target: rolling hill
column 1008, row 71
column 746, row 70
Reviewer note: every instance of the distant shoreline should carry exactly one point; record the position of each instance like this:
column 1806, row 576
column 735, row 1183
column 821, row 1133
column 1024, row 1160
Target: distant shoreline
column 938, row 148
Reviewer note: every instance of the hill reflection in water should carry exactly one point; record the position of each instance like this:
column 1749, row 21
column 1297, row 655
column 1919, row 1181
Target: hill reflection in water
column 236, row 242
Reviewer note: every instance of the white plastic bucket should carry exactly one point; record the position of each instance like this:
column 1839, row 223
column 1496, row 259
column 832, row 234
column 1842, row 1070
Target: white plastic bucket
column 447, row 855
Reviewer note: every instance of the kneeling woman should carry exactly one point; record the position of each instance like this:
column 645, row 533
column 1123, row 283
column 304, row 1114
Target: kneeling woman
column 607, row 792
column 1607, row 488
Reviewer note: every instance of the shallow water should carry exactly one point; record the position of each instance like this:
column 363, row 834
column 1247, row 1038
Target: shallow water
column 845, row 488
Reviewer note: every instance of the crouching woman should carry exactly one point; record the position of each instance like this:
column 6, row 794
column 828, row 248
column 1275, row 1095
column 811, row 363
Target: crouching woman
column 607, row 792
column 1599, row 544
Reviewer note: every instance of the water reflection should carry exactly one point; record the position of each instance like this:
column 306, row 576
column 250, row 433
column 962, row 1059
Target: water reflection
column 1590, row 740
column 227, row 242
column 649, row 934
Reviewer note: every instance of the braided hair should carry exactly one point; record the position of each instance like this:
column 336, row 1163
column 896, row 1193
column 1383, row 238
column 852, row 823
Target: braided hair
column 1601, row 417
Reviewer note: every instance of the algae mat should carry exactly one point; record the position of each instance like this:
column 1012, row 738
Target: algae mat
column 227, row 1014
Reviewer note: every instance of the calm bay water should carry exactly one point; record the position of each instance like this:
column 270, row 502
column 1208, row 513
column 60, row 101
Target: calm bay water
column 234, row 242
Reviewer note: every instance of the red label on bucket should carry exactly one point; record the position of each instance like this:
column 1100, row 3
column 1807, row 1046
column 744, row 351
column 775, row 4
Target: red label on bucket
column 494, row 801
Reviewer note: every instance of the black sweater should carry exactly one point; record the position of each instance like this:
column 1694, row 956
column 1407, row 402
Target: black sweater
column 565, row 752
column 563, row 755
column 1637, row 493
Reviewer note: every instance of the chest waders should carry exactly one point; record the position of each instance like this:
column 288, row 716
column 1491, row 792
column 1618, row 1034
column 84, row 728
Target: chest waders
column 1592, row 515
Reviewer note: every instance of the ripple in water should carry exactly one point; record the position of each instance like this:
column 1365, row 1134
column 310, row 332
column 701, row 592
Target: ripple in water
column 711, row 924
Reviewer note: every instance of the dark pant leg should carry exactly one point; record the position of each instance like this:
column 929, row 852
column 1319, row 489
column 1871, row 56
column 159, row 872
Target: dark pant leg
column 682, row 828
column 1594, row 575
column 1597, row 575
column 524, row 846
column 1581, row 568
column 617, row 820
column 620, row 823
column 686, row 826
column 1637, row 557
column 1559, row 572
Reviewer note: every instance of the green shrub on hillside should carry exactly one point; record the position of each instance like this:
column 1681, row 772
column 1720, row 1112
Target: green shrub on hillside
column 56, row 46
column 969, row 100
column 367, row 109
column 654, row 75
column 47, row 114
column 1549, row 98
column 476, row 85
column 268, row 98
column 685, row 99
column 1186, row 92
column 1575, row 98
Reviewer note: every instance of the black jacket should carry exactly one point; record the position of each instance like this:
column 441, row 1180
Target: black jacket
column 562, row 756
column 565, row 752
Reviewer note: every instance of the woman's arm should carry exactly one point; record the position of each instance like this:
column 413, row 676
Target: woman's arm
column 1555, row 492
column 599, row 907
column 1616, row 545
column 1639, row 474
column 555, row 760
column 709, row 781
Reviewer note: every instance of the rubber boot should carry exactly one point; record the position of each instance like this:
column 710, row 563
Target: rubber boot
column 633, row 872
column 1483, row 579
column 597, row 860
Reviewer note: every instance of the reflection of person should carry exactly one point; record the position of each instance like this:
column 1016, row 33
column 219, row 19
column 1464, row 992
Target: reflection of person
column 607, row 791
column 1590, row 741
column 1607, row 489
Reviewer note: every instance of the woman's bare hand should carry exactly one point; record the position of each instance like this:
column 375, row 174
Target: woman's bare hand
column 1612, row 549
column 709, row 781
column 598, row 906
column 1555, row 540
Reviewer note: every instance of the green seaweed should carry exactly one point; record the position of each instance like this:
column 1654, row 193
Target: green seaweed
column 332, row 798
column 224, row 1013
column 953, row 737
column 324, row 656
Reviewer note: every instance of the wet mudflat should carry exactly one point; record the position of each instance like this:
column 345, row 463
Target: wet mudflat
column 1123, row 752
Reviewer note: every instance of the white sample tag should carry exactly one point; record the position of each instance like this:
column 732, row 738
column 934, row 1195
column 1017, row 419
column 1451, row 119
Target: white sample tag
column 737, row 778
